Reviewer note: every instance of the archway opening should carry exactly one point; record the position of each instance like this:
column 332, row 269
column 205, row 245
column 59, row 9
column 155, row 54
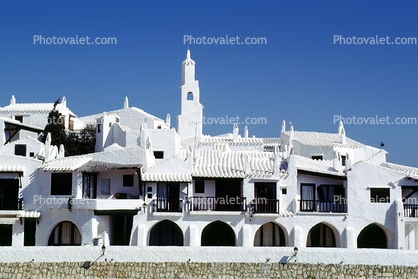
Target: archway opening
column 65, row 233
column 372, row 236
column 190, row 96
column 321, row 235
column 218, row 234
column 270, row 234
column 166, row 233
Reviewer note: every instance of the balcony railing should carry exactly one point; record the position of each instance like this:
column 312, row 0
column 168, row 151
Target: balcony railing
column 11, row 204
column 218, row 203
column 261, row 205
column 410, row 210
column 323, row 206
column 167, row 205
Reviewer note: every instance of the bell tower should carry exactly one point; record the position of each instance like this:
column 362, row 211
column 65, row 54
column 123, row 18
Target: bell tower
column 190, row 119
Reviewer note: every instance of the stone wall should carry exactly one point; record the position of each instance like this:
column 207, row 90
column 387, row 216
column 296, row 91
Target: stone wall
column 201, row 270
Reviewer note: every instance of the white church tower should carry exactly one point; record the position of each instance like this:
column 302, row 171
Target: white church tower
column 190, row 119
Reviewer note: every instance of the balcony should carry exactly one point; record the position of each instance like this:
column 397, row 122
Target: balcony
column 262, row 205
column 218, row 203
column 167, row 205
column 11, row 204
column 322, row 206
column 410, row 210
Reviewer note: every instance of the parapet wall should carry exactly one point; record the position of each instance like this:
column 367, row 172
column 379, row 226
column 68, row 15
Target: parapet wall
column 205, row 262
column 67, row 270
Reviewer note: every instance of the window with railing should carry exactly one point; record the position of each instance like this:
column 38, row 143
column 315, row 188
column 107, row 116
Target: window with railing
column 217, row 203
column 167, row 205
column 410, row 210
column 324, row 198
column 262, row 205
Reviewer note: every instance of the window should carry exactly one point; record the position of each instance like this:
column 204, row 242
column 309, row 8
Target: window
column 105, row 186
column 343, row 159
column 61, row 183
column 190, row 96
column 199, row 186
column 307, row 197
column 149, row 189
column 19, row 118
column 99, row 128
column 32, row 154
column 284, row 191
column 380, row 195
column 128, row 180
column 317, row 157
column 20, row 150
column 159, row 154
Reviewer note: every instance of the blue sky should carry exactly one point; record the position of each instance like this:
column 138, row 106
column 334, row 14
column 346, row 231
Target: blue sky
column 298, row 76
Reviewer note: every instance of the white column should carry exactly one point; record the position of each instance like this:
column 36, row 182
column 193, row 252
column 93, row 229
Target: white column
column 142, row 235
column 194, row 239
column 18, row 234
column 399, row 237
column 350, row 239
column 246, row 236
column 298, row 239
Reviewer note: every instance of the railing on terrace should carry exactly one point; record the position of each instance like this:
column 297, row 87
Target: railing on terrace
column 410, row 210
column 218, row 203
column 167, row 205
column 323, row 206
column 261, row 205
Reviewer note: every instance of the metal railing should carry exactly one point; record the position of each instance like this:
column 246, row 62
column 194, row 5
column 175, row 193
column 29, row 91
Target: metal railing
column 218, row 203
column 322, row 206
column 410, row 210
column 167, row 205
column 261, row 205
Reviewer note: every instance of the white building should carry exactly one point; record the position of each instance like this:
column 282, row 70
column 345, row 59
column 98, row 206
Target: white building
column 151, row 184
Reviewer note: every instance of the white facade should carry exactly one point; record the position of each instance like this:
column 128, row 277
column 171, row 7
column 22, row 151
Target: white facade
column 149, row 184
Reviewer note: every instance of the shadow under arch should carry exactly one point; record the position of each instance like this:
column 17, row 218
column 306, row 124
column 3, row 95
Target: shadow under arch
column 323, row 234
column 374, row 235
column 218, row 233
column 165, row 233
column 271, row 234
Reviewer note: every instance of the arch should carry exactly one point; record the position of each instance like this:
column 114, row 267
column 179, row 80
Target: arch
column 218, row 233
column 65, row 233
column 410, row 237
column 270, row 234
column 166, row 233
column 190, row 96
column 373, row 236
column 323, row 235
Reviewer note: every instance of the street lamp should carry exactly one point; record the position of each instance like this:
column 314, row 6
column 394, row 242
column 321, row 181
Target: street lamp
column 295, row 251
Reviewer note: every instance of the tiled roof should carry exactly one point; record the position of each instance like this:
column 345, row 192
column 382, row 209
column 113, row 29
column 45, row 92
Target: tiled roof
column 8, row 168
column 66, row 164
column 40, row 107
column 321, row 139
column 33, row 108
column 232, row 164
column 166, row 177
column 30, row 214
column 207, row 140
column 409, row 171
